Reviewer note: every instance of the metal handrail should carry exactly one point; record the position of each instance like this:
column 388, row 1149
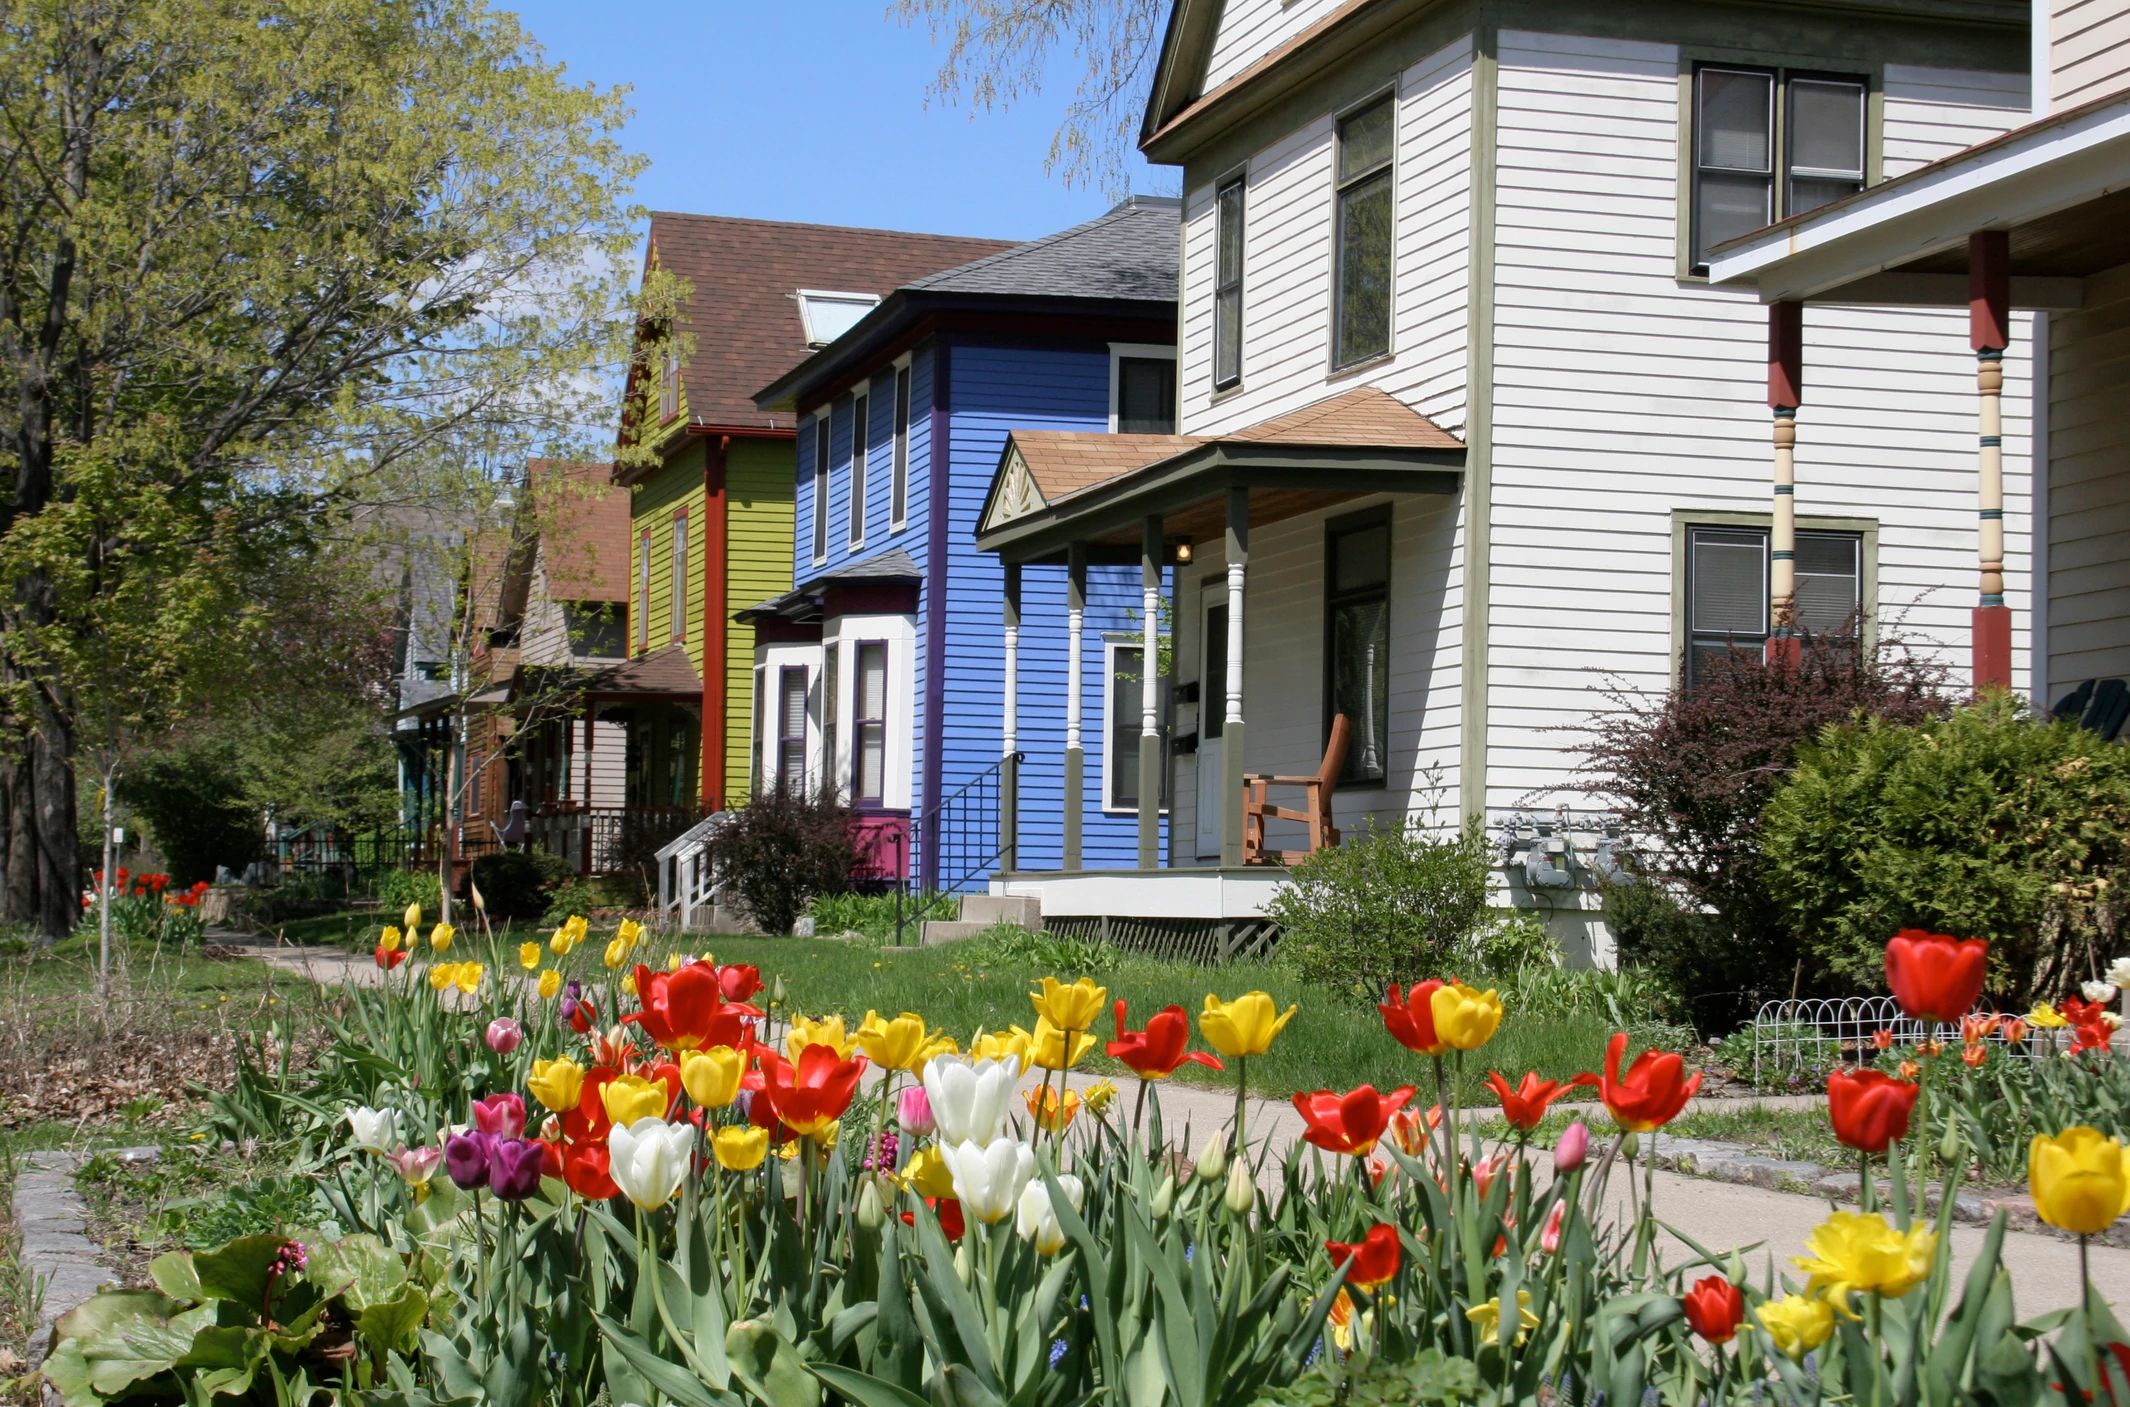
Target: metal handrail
column 971, row 809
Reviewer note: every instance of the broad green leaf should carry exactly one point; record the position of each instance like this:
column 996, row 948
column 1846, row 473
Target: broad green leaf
column 863, row 1389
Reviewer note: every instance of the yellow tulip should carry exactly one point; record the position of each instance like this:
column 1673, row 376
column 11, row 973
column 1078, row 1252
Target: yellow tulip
column 1001, row 1045
column 630, row 932
column 1051, row 1113
column 468, row 978
column 902, row 1043
column 1796, row 1324
column 633, row 1097
column 1860, row 1252
column 440, row 937
column 411, row 920
column 739, row 1149
column 2080, row 1180
column 927, row 1174
column 712, row 1076
column 1073, row 1008
column 1242, row 1027
column 388, row 941
column 827, row 1030
column 617, row 953
column 578, row 927
column 550, row 984
column 1486, row 1319
column 2047, row 1018
column 561, row 943
column 442, row 975
column 1053, row 1049
column 1465, row 1018
column 558, row 1084
column 528, row 956
column 1099, row 1096
column 673, row 962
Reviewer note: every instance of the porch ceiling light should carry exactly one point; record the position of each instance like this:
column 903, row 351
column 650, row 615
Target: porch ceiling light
column 1183, row 551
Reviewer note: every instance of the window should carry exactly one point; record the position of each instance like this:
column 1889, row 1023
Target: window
column 1727, row 584
column 821, row 426
column 1769, row 144
column 680, row 576
column 1357, row 640
column 828, row 316
column 1361, row 282
column 595, row 630
column 791, row 728
column 1227, row 283
column 668, row 386
column 1145, row 394
column 755, row 723
column 680, row 742
column 643, row 590
column 831, row 707
column 861, row 407
column 899, row 506
column 869, row 725
column 1126, row 723
column 474, row 763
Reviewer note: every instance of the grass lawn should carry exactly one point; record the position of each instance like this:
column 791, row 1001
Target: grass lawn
column 351, row 929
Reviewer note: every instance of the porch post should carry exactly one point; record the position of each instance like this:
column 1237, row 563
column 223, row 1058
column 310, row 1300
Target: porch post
column 1009, row 772
column 1786, row 340
column 1231, row 728
column 1075, row 758
column 1149, row 696
column 1989, row 333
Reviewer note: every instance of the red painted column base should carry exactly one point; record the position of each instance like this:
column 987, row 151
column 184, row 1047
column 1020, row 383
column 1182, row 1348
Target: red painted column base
column 1789, row 649
column 1993, row 647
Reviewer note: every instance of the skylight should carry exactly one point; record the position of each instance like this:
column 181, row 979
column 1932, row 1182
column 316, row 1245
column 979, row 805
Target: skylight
column 829, row 315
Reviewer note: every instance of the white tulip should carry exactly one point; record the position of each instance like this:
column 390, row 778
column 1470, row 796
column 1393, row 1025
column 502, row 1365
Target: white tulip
column 2119, row 973
column 1036, row 1215
column 2099, row 993
column 970, row 1098
column 373, row 1130
column 649, row 1158
column 988, row 1177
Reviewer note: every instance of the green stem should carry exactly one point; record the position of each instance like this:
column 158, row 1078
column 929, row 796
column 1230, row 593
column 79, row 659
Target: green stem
column 1242, row 1087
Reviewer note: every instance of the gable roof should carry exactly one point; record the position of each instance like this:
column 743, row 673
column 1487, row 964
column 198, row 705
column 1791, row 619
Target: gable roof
column 1122, row 263
column 584, row 542
column 746, row 275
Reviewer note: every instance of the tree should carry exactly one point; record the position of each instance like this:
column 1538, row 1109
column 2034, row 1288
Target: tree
column 997, row 51
column 263, row 260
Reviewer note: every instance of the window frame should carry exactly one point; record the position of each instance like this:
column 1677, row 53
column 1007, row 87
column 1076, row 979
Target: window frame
column 788, row 741
column 824, row 432
column 1226, row 282
column 861, row 410
column 1346, row 525
column 1340, row 190
column 899, row 481
column 643, row 584
column 677, row 590
column 859, row 721
column 1122, row 352
column 1684, row 520
column 755, row 732
column 1115, row 769
column 668, row 386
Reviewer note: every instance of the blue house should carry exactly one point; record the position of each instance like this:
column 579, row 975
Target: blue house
column 880, row 675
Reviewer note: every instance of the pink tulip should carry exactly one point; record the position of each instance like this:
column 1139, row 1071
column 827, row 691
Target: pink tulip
column 504, row 1033
column 501, row 1115
column 416, row 1165
column 1549, row 1237
column 1568, row 1154
column 913, row 1112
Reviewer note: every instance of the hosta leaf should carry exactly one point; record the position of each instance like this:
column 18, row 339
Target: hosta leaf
column 239, row 1270
column 391, row 1325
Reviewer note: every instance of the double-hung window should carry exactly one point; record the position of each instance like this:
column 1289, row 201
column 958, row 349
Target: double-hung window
column 680, row 576
column 1360, row 326
column 1769, row 144
column 821, row 436
column 791, row 728
column 869, row 725
column 899, row 489
column 861, row 407
column 1127, row 722
column 1146, row 395
column 1727, row 586
column 1227, row 283
column 643, row 590
column 1357, row 639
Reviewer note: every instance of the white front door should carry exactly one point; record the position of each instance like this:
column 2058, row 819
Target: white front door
column 1213, row 802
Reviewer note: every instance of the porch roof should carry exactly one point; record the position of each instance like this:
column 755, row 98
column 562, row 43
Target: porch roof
column 665, row 673
column 1056, row 488
column 2060, row 186
column 804, row 601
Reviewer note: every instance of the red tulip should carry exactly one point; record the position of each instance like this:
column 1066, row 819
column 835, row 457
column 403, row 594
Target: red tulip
column 811, row 1095
column 948, row 1209
column 1350, row 1122
column 1651, row 1092
column 588, row 1169
column 1870, row 1108
column 1525, row 1106
column 1714, row 1308
column 1936, row 977
column 1410, row 1017
column 1154, row 1053
column 2089, row 1024
column 1370, row 1261
column 688, row 1009
column 392, row 959
column 739, row 981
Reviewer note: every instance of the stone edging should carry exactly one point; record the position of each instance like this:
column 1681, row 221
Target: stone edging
column 66, row 1265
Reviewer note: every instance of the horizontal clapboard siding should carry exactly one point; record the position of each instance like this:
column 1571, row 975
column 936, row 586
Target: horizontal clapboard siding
column 2089, row 487
column 1249, row 29
column 2089, row 51
column 1622, row 394
column 758, row 514
column 674, row 487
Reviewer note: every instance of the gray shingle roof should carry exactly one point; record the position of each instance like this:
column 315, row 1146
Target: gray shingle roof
column 1130, row 252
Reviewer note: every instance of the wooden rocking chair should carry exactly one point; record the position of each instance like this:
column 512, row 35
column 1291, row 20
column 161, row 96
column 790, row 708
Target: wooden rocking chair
column 1316, row 803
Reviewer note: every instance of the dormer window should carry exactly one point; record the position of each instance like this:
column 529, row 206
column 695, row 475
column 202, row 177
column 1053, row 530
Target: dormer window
column 829, row 315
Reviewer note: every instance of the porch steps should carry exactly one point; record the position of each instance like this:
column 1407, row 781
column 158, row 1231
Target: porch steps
column 980, row 912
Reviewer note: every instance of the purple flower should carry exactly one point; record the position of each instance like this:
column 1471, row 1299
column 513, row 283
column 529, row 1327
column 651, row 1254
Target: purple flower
column 466, row 1159
column 513, row 1168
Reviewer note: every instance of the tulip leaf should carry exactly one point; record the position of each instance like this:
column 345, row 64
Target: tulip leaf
column 655, row 1372
column 898, row 1354
column 767, row 1365
column 863, row 1389
column 966, row 1388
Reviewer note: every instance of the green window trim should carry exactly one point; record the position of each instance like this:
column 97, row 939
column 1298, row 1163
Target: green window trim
column 1683, row 520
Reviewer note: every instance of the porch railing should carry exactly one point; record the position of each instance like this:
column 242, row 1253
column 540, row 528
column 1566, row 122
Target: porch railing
column 604, row 840
column 959, row 837
column 687, row 881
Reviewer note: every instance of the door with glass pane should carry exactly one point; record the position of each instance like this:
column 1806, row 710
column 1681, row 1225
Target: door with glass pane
column 1213, row 800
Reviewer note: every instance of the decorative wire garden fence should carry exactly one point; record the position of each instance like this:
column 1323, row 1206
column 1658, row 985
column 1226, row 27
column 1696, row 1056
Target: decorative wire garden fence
column 1809, row 1036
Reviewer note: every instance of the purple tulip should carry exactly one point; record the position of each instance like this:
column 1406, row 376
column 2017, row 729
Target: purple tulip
column 466, row 1159
column 1568, row 1154
column 513, row 1168
column 504, row 1033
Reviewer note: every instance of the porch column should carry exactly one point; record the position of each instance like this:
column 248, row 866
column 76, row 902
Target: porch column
column 1231, row 727
column 1786, row 381
column 1009, row 771
column 1150, row 696
column 1989, row 332
column 1075, row 758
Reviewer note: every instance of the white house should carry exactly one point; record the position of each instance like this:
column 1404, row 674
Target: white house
column 1464, row 426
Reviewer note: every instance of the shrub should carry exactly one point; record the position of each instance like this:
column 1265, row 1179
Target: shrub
column 193, row 804
column 1391, row 904
column 1983, row 824
column 398, row 888
column 516, row 884
column 575, row 895
column 1691, row 771
column 780, row 850
column 1510, row 941
column 874, row 914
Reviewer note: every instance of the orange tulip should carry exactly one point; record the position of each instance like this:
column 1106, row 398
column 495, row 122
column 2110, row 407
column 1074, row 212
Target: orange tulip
column 1525, row 1106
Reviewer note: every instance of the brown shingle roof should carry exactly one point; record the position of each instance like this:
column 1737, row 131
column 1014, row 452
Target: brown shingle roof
column 584, row 534
column 1065, row 461
column 744, row 313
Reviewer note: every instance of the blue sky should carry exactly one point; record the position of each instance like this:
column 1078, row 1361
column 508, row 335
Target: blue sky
column 815, row 110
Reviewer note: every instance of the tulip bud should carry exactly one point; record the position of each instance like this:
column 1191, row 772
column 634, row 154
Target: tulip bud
column 480, row 905
column 504, row 1033
column 1573, row 1148
column 964, row 1267
column 1950, row 1146
column 1242, row 1188
column 792, row 1178
column 777, row 995
column 871, row 1214
column 1213, row 1158
column 1164, row 1198
column 1630, row 1146
column 913, row 1112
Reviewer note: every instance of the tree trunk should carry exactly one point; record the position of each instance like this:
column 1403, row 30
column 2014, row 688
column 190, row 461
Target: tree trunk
column 103, row 886
column 42, row 861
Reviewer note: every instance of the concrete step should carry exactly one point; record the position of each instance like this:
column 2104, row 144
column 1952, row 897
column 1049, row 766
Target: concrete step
column 1021, row 910
column 940, row 930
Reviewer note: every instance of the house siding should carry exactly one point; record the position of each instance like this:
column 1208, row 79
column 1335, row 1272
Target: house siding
column 675, row 486
column 758, row 517
column 1623, row 393
column 1249, row 29
column 2089, row 487
column 2089, row 51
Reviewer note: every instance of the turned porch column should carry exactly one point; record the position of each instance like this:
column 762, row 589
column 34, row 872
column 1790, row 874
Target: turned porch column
column 1009, row 770
column 1150, row 696
column 1786, row 382
column 1231, row 727
column 1075, row 756
column 1989, row 332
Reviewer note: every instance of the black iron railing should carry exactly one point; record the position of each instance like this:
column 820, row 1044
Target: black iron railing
column 959, row 837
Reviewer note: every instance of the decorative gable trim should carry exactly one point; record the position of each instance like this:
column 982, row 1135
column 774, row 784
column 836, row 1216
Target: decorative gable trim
column 1015, row 493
